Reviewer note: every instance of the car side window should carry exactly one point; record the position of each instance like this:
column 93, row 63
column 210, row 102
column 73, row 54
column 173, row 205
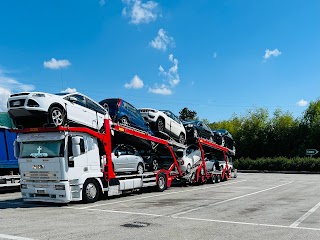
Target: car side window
column 122, row 150
column 131, row 151
column 80, row 99
column 93, row 106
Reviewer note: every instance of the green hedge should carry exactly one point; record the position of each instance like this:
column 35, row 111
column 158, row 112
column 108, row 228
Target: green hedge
column 279, row 164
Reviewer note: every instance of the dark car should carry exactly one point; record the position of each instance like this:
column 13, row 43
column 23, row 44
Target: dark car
column 195, row 129
column 150, row 159
column 228, row 140
column 124, row 113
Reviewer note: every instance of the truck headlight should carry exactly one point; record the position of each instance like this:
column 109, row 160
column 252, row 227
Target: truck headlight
column 23, row 186
column 59, row 187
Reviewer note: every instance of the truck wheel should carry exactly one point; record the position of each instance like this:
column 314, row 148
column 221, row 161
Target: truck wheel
column 212, row 179
column 162, row 183
column 90, row 191
column 217, row 178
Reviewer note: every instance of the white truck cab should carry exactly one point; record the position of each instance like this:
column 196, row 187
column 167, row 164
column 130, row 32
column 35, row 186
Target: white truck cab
column 57, row 166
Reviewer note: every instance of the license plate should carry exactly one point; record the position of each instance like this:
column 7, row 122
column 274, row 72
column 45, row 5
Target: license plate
column 16, row 103
column 41, row 191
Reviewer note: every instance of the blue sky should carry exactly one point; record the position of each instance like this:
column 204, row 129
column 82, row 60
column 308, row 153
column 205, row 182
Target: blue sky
column 214, row 57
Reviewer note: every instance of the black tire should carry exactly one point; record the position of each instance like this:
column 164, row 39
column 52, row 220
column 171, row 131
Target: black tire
column 182, row 138
column 140, row 168
column 160, row 125
column 217, row 178
column 154, row 164
column 162, row 182
column 123, row 121
column 57, row 116
column 90, row 191
column 212, row 179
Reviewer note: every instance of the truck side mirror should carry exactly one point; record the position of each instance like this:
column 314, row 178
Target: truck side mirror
column 16, row 149
column 76, row 151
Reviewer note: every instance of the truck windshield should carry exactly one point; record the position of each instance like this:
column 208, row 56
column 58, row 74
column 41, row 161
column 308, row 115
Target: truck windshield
column 42, row 149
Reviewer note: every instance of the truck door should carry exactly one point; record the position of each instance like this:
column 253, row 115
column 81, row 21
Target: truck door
column 77, row 165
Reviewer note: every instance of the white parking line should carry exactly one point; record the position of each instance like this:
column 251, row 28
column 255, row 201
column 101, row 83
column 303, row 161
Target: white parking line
column 162, row 194
column 307, row 214
column 5, row 236
column 230, row 199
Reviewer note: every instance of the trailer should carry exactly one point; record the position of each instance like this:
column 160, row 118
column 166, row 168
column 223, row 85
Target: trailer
column 9, row 169
column 64, row 164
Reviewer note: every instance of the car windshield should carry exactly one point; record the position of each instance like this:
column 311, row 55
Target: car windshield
column 42, row 149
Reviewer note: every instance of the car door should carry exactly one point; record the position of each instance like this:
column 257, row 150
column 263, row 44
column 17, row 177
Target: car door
column 77, row 110
column 96, row 114
column 176, row 125
column 120, row 159
column 132, row 159
column 206, row 131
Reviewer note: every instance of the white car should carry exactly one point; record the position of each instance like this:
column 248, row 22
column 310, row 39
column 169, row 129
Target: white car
column 33, row 109
column 126, row 158
column 188, row 157
column 165, row 121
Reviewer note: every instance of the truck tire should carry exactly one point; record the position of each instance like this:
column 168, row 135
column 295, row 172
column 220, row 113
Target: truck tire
column 217, row 178
column 162, row 182
column 90, row 191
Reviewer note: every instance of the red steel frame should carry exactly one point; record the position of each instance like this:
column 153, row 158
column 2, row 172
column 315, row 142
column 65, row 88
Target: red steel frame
column 105, row 139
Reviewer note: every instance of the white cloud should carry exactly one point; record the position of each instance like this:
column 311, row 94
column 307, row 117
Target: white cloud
column 56, row 64
column 140, row 12
column 162, row 89
column 102, row 2
column 162, row 41
column 69, row 90
column 269, row 53
column 136, row 82
column 8, row 85
column 215, row 55
column 302, row 103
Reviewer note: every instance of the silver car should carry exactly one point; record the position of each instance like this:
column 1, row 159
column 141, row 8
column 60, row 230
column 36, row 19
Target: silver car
column 188, row 157
column 126, row 158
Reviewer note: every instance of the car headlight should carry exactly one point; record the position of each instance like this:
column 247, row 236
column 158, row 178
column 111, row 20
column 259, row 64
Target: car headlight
column 38, row 95
column 190, row 125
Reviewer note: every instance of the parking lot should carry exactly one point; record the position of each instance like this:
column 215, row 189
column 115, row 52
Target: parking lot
column 252, row 206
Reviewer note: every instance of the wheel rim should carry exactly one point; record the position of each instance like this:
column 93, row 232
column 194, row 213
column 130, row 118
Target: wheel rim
column 195, row 133
column 161, row 182
column 154, row 165
column 160, row 125
column 181, row 139
column 140, row 169
column 211, row 139
column 91, row 191
column 57, row 117
column 124, row 121
column 188, row 168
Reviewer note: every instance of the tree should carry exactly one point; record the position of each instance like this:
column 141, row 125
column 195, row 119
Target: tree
column 185, row 114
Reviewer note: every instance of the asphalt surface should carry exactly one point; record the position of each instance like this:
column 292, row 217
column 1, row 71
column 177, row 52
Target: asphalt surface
column 252, row 206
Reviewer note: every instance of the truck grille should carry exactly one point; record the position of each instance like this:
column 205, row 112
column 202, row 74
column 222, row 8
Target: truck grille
column 40, row 175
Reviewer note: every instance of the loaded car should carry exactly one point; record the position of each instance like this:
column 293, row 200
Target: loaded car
column 165, row 121
column 188, row 157
column 228, row 140
column 151, row 159
column 126, row 158
column 29, row 109
column 196, row 129
column 124, row 113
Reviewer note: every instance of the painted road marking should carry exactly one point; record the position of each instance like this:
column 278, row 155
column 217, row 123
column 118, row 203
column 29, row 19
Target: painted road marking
column 307, row 214
column 5, row 236
column 230, row 199
column 162, row 194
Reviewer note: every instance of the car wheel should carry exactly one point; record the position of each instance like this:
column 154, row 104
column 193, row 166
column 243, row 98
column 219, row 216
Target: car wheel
column 90, row 191
column 162, row 182
column 195, row 133
column 140, row 168
column 124, row 121
column 160, row 125
column 188, row 168
column 155, row 164
column 57, row 116
column 182, row 139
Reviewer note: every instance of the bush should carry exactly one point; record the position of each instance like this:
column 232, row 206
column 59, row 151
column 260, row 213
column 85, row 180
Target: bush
column 279, row 164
